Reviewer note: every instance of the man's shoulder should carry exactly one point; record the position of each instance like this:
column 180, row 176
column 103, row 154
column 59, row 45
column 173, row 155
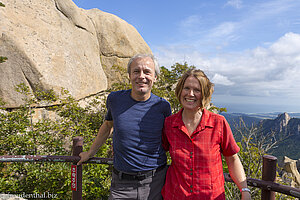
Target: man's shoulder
column 160, row 99
column 119, row 93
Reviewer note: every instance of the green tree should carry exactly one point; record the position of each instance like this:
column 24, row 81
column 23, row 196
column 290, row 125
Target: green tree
column 2, row 59
column 21, row 134
column 254, row 144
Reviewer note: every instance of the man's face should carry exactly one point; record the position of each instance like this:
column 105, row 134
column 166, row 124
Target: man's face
column 142, row 76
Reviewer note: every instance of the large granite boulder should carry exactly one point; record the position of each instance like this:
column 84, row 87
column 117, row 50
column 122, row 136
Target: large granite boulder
column 53, row 44
column 290, row 166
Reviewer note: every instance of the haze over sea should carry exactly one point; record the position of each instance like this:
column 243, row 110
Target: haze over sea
column 256, row 108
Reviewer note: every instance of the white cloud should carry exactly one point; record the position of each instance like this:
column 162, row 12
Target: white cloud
column 289, row 44
column 221, row 80
column 190, row 21
column 224, row 29
column 272, row 71
column 234, row 3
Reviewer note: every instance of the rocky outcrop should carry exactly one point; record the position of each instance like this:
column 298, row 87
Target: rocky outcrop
column 282, row 123
column 290, row 166
column 53, row 44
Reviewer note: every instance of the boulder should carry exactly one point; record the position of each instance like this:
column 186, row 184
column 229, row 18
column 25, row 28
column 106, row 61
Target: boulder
column 53, row 44
column 290, row 166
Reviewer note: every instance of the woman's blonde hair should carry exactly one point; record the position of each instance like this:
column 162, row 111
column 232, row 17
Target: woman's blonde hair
column 206, row 87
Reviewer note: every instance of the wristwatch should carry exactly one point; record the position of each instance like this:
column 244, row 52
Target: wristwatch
column 245, row 190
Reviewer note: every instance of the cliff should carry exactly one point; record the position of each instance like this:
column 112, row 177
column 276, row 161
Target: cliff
column 52, row 44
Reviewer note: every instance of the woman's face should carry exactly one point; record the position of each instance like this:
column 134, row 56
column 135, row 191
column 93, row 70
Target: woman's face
column 191, row 96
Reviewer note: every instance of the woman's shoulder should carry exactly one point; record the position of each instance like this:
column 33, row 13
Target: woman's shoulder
column 214, row 116
column 174, row 116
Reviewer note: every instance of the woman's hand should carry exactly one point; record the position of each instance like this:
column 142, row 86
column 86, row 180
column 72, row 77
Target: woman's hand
column 246, row 196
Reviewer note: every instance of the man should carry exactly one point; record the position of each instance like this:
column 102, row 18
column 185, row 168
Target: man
column 136, row 116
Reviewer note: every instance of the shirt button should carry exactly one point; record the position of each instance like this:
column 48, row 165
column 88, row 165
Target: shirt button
column 191, row 190
column 191, row 173
column 191, row 186
column 191, row 169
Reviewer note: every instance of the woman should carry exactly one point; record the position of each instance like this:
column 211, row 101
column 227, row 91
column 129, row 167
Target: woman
column 196, row 138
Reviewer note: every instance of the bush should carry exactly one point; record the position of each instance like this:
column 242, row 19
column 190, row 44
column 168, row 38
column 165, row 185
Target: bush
column 22, row 134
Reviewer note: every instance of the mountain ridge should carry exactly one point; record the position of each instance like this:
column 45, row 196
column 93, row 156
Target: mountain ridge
column 286, row 128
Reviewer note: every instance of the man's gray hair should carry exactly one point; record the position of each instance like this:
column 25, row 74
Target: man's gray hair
column 156, row 65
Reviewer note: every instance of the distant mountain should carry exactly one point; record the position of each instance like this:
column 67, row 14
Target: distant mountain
column 235, row 118
column 286, row 127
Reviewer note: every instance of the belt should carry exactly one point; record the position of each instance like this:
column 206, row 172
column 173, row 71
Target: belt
column 138, row 175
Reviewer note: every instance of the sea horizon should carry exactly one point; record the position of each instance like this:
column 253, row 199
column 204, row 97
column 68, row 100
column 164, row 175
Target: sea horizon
column 256, row 108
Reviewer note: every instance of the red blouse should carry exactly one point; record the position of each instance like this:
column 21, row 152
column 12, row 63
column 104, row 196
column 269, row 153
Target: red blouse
column 196, row 171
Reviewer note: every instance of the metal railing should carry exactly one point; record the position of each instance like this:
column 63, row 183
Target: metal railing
column 267, row 184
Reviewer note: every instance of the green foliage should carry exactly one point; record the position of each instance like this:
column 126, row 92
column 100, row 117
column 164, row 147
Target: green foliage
column 1, row 4
column 254, row 145
column 22, row 134
column 218, row 109
column 2, row 103
column 2, row 59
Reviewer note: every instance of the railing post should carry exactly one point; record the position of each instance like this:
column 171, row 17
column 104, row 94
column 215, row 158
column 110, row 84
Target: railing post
column 77, row 149
column 268, row 174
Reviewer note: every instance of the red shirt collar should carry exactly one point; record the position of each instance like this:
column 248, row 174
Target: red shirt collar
column 206, row 120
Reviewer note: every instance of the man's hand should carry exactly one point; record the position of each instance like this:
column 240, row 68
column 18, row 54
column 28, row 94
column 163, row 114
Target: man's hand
column 103, row 133
column 84, row 156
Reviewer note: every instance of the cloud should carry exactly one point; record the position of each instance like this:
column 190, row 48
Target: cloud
column 250, row 24
column 222, row 80
column 224, row 29
column 190, row 22
column 253, row 54
column 271, row 71
column 289, row 44
column 234, row 3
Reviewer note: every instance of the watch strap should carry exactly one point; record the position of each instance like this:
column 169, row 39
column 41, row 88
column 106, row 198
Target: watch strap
column 245, row 190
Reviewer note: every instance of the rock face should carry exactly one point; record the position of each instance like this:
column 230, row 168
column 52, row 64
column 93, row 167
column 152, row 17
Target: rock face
column 282, row 122
column 53, row 44
column 290, row 166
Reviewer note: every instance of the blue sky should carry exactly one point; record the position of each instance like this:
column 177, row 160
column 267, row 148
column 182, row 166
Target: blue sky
column 249, row 49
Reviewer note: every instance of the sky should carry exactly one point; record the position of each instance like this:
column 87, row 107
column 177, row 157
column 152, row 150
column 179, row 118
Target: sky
column 250, row 50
